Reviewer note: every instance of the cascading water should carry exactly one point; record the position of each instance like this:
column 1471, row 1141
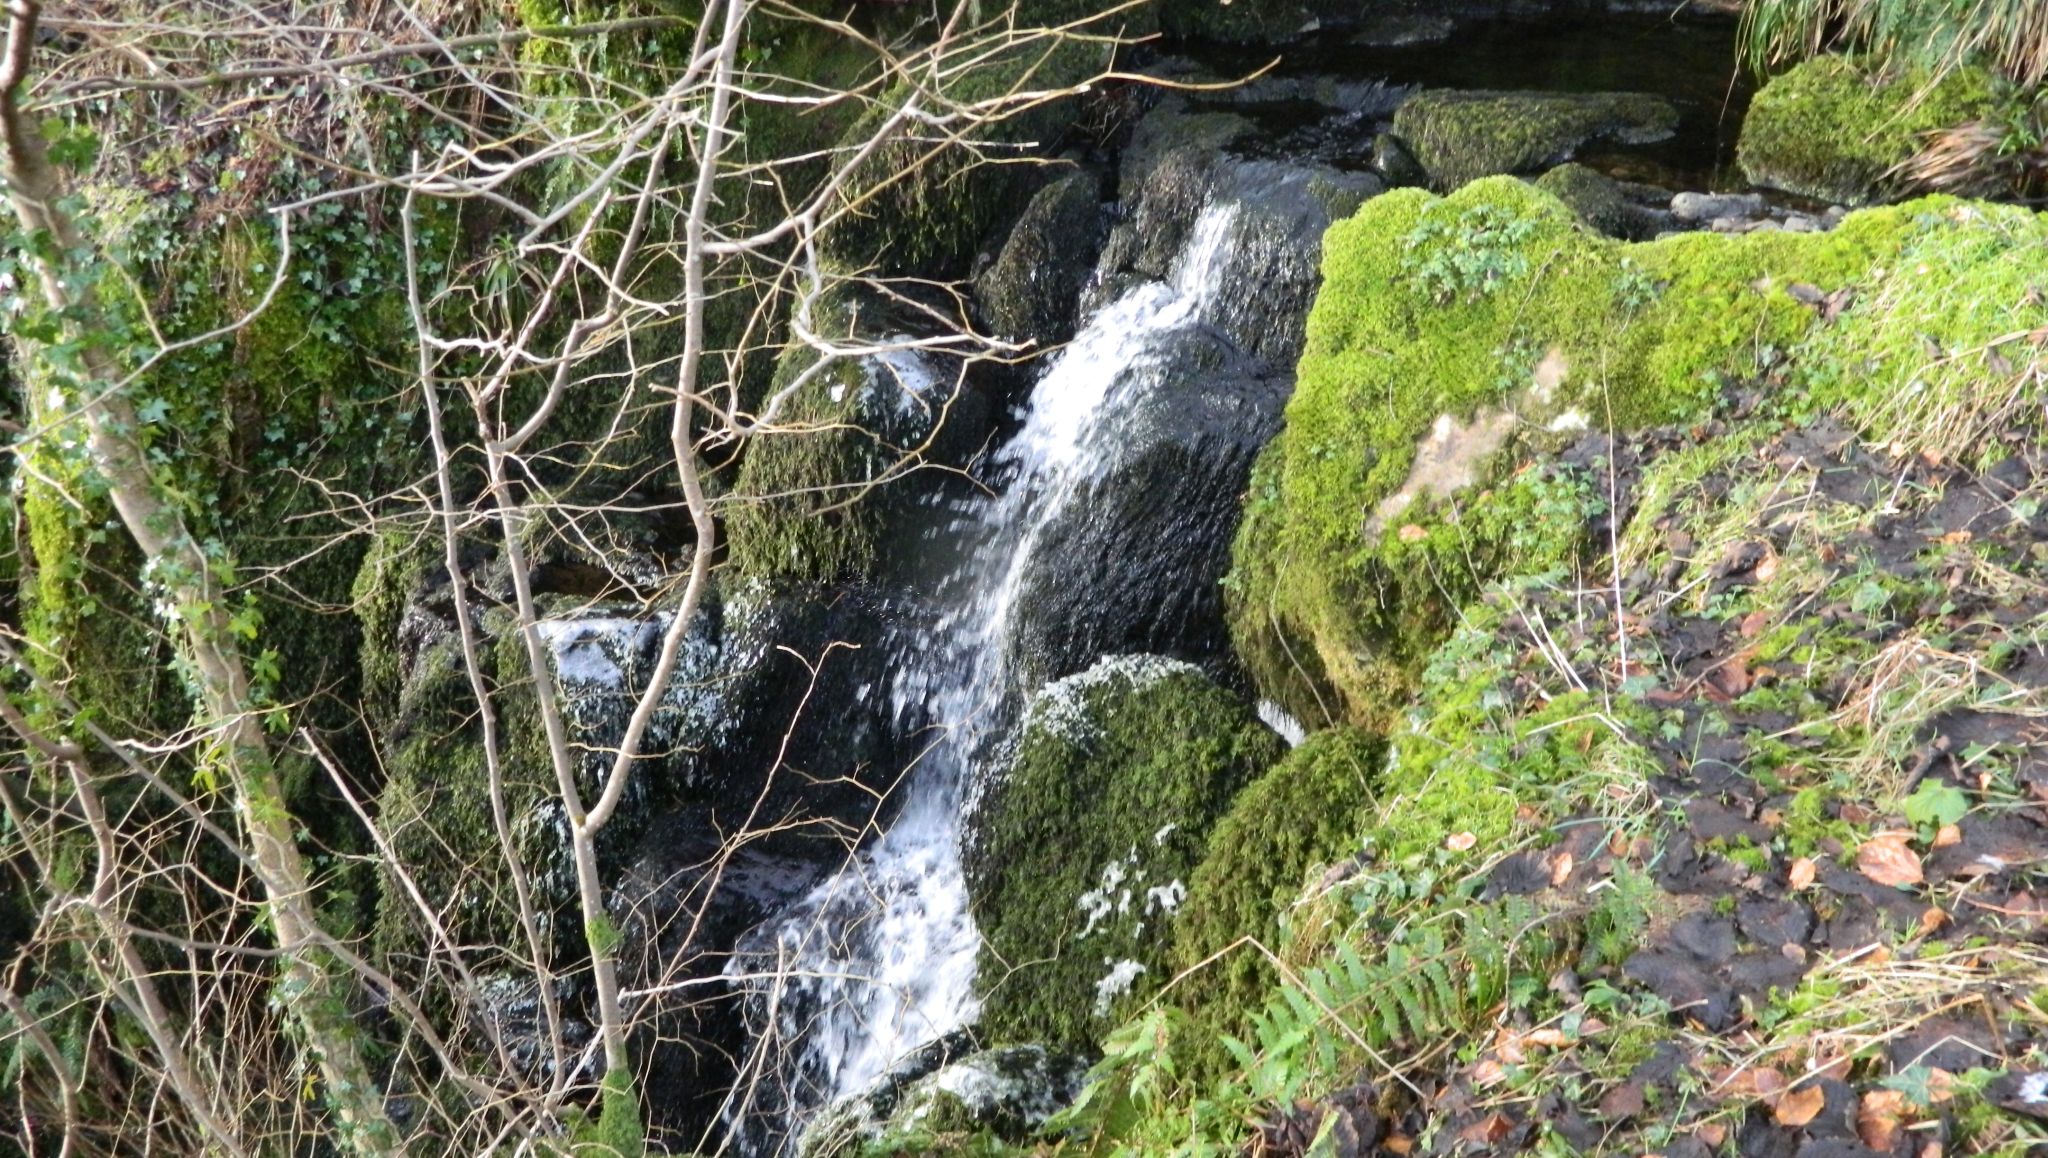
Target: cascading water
column 878, row 961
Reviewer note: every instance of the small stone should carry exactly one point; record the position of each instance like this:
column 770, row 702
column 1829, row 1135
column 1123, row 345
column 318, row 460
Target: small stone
column 1696, row 207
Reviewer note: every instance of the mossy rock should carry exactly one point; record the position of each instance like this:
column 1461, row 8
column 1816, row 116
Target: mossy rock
column 1295, row 820
column 1032, row 291
column 810, row 500
column 1086, row 837
column 923, row 205
column 1836, row 127
column 1596, row 198
column 1453, row 336
column 1461, row 136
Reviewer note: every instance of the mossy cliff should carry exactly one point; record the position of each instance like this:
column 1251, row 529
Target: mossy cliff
column 1088, row 835
column 1454, row 335
column 1837, row 127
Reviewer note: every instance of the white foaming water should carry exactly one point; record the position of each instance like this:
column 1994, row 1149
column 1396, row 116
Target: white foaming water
column 878, row 961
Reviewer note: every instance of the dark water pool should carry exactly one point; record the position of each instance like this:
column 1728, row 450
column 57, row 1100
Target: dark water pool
column 1691, row 62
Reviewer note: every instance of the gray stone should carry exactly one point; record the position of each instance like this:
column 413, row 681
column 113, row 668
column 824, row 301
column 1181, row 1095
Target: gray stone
column 1696, row 207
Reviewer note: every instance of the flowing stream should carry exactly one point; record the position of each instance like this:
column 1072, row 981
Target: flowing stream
column 878, row 961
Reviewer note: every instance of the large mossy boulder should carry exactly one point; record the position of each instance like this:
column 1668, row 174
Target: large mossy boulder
column 1455, row 335
column 1296, row 820
column 1837, row 127
column 1081, row 847
column 1460, row 136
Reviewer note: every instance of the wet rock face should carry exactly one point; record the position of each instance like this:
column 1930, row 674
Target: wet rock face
column 1183, row 162
column 1032, row 290
column 1135, row 564
column 682, row 905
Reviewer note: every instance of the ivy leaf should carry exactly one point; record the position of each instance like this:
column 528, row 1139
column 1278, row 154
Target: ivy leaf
column 153, row 411
column 1936, row 804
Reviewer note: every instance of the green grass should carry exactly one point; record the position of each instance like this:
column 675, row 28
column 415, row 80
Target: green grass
column 2010, row 35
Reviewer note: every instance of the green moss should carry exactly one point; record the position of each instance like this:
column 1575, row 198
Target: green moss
column 1286, row 825
column 1089, row 835
column 1462, row 136
column 1451, row 314
column 1835, row 127
column 1594, row 197
column 802, row 512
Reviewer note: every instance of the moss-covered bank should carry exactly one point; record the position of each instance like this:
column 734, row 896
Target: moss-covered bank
column 1454, row 335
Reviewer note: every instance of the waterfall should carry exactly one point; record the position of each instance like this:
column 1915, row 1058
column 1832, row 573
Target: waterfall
column 878, row 961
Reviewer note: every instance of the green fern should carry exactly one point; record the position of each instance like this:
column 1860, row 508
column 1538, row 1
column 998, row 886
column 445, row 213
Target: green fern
column 1430, row 981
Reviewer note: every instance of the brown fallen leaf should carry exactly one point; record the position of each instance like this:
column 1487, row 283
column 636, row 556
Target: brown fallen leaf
column 1622, row 1102
column 1751, row 1082
column 1488, row 1073
column 1941, row 1086
column 1413, row 534
column 1561, row 869
column 1711, row 1135
column 1801, row 874
column 1947, row 835
column 1768, row 568
column 1932, row 920
column 1397, row 1144
column 1889, row 859
column 1730, row 678
column 1488, row 1130
column 1878, row 1117
column 1796, row 1108
column 1549, row 1037
column 1755, row 623
column 1460, row 842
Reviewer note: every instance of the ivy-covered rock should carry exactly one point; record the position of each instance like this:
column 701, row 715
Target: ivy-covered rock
column 1082, row 845
column 1475, row 328
column 1461, row 136
column 1300, row 817
column 1836, row 127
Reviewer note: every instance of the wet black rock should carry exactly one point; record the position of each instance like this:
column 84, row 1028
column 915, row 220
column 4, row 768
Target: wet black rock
column 1031, row 292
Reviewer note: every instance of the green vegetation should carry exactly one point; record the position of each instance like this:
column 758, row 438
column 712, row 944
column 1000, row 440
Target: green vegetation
column 1462, row 136
column 2008, row 35
column 1838, row 128
column 1478, row 328
column 1290, row 823
column 1089, row 837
